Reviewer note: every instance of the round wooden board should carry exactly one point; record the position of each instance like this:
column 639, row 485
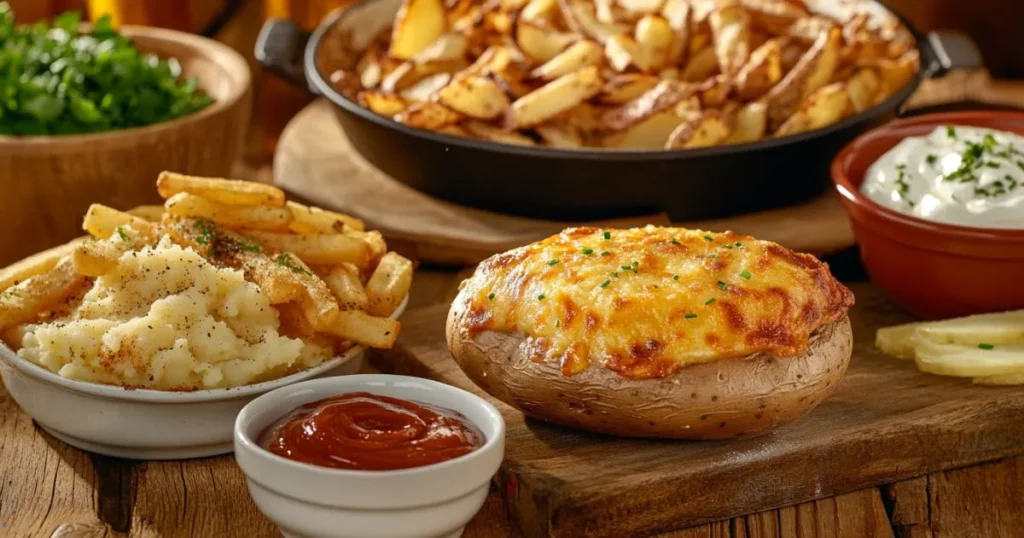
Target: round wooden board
column 314, row 161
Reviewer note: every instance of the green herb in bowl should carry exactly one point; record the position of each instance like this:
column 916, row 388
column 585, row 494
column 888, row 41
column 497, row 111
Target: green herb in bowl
column 57, row 79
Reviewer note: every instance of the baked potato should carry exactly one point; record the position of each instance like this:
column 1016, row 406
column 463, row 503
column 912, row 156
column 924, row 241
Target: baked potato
column 654, row 332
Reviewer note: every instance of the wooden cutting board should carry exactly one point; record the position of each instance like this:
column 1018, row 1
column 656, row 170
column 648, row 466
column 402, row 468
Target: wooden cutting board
column 886, row 422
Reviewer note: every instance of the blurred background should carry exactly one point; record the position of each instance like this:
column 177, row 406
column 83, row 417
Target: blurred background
column 993, row 24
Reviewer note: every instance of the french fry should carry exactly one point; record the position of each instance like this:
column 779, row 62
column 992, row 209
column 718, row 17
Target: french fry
column 24, row 301
column 308, row 219
column 36, row 264
column 774, row 16
column 101, row 222
column 580, row 17
column 224, row 191
column 343, row 281
column 189, row 205
column 367, row 330
column 389, row 285
column 374, row 240
column 677, row 14
column 96, row 258
column 419, row 23
column 327, row 249
column 475, row 97
column 556, row 97
column 448, row 47
column 316, row 300
column 810, row 73
column 152, row 213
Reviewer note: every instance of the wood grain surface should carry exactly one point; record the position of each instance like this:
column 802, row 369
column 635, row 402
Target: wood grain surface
column 887, row 422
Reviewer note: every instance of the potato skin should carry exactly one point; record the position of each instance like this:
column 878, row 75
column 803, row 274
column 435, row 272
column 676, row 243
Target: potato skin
column 713, row 400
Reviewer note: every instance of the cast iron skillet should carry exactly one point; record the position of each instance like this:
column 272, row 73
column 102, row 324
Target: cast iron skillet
column 559, row 184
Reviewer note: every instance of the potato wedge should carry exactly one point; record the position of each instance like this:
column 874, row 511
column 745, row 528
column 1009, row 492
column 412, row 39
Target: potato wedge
column 102, row 222
column 327, row 249
column 715, row 91
column 621, row 89
column 579, row 55
column 189, row 205
column 542, row 44
column 666, row 94
column 23, row 302
column 701, row 66
column 417, row 24
column 623, row 52
column 36, row 264
column 750, row 123
column 494, row 134
column 367, row 330
column 863, row 87
column 152, row 213
column 373, row 239
column 307, row 219
column 580, row 17
column 761, row 72
column 538, row 11
column 653, row 37
column 555, row 97
column 381, row 103
column 448, row 47
column 559, row 134
column 823, row 107
column 898, row 341
column 897, row 73
column 807, row 29
column 223, row 191
column 427, row 88
column 428, row 115
column 640, row 6
column 730, row 31
column 707, row 130
column 677, row 14
column 389, row 284
column 475, row 97
column 813, row 70
column 343, row 281
column 774, row 16
column 650, row 133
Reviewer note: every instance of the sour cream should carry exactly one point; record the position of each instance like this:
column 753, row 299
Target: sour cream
column 955, row 175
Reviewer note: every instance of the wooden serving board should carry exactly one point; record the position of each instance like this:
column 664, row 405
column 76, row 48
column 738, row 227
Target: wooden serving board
column 315, row 161
column 886, row 422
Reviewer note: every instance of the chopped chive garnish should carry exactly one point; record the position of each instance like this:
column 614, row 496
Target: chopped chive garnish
column 606, row 253
column 587, row 251
column 675, row 277
column 708, row 237
column 553, row 262
column 558, row 323
column 950, row 131
column 605, row 283
column 709, row 301
column 931, row 159
column 738, row 244
column 607, row 235
column 745, row 275
column 722, row 285
column 691, row 315
column 626, row 267
column 541, row 297
column 121, row 233
column 713, row 255
column 490, row 296
column 674, row 242
column 986, row 346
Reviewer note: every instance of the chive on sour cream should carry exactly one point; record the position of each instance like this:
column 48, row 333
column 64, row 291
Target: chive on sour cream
column 956, row 175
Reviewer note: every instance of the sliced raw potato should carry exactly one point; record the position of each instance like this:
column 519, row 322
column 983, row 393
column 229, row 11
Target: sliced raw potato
column 559, row 134
column 494, row 134
column 730, row 30
column 382, row 103
column 1000, row 380
column 774, row 16
column 677, row 14
column 474, row 96
column 762, row 71
column 898, row 340
column 579, row 55
column 417, row 24
column 538, row 10
column 706, row 130
column 426, row 88
column 579, row 15
column 701, row 66
column 624, row 88
column 999, row 328
column 556, row 97
column 450, row 46
column 863, row 87
column 541, row 44
column 665, row 95
column 813, row 71
column 426, row 115
column 969, row 361
column 650, row 133
column 653, row 37
column 750, row 123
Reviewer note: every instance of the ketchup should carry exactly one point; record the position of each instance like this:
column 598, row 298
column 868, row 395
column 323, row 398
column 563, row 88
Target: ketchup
column 368, row 432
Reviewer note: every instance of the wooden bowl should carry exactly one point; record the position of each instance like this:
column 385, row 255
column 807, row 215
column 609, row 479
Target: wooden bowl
column 49, row 181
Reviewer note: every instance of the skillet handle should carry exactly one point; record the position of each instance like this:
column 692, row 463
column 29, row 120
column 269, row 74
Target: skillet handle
column 280, row 48
column 951, row 50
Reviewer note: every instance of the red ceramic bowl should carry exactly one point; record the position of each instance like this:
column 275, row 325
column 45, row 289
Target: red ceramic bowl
column 933, row 270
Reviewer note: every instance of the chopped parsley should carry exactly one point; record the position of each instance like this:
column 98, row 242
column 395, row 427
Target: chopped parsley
column 950, row 131
column 121, row 233
column 674, row 242
column 490, row 296
column 722, row 285
column 708, row 237
column 605, row 283
column 552, row 262
column 691, row 315
column 558, row 323
column 284, row 259
column 626, row 267
column 930, row 159
column 206, row 230
column 709, row 301
column 902, row 187
column 675, row 277
column 11, row 293
column 587, row 251
column 606, row 253
column 541, row 297
column 986, row 346
column 745, row 275
column 607, row 235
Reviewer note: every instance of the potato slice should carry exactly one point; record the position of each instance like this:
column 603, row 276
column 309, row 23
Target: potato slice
column 343, row 281
column 417, row 24
column 863, row 87
column 967, row 361
column 555, row 97
column 706, row 130
column 426, row 115
column 813, row 70
column 364, row 329
column 761, row 72
column 624, row 88
column 475, row 97
column 730, row 31
column 427, row 88
column 749, row 124
column 898, row 341
column 559, row 134
column 650, row 133
column 604, row 11
column 381, row 103
column 579, row 55
column 998, row 328
column 701, row 66
column 541, row 44
column 665, row 95
column 494, row 134
column 825, row 106
column 653, row 37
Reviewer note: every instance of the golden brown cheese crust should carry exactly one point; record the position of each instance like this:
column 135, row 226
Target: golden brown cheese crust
column 647, row 301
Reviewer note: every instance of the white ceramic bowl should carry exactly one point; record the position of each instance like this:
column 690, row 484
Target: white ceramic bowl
column 316, row 502
column 142, row 423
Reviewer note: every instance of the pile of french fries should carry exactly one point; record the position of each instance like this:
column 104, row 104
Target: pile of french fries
column 625, row 74
column 332, row 282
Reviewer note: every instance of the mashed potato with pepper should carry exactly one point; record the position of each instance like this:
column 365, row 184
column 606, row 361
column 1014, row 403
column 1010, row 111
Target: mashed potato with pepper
column 168, row 319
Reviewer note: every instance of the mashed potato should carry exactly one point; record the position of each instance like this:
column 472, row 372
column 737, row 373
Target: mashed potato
column 168, row 319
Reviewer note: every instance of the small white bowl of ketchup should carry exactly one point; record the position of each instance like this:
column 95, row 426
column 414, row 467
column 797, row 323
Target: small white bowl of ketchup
column 369, row 456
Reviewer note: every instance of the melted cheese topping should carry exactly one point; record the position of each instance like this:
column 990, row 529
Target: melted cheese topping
column 645, row 302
